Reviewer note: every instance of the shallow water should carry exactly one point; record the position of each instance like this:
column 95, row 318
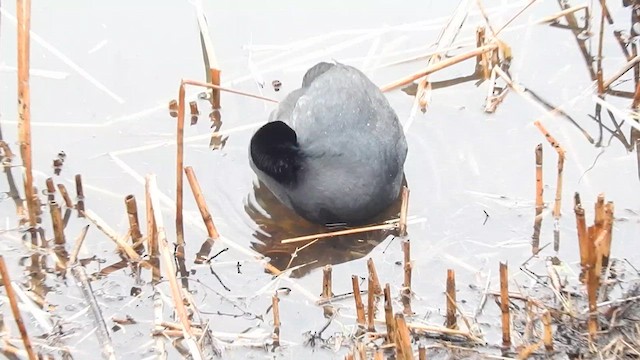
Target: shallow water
column 471, row 174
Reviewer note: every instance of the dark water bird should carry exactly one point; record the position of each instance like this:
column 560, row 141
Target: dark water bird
column 333, row 150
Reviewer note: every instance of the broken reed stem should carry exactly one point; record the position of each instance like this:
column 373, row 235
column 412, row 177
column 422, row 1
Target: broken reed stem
column 403, row 340
column 539, row 201
column 373, row 274
column 556, row 16
column 601, row 88
column 152, row 234
column 592, row 284
column 170, row 273
column 387, row 226
column 202, row 204
column 451, row 299
column 221, row 88
column 51, row 189
column 77, row 245
column 58, row 226
column 388, row 315
column 134, row 224
column 14, row 305
column 404, row 208
column 210, row 61
column 583, row 237
column 636, row 97
column 24, row 106
column 439, row 66
column 548, row 331
column 327, row 292
column 406, row 251
column 65, row 195
column 504, row 305
column 111, row 234
column 371, row 304
column 79, row 196
column 481, row 64
column 422, row 352
column 558, row 199
column 275, row 304
column 358, row 299
column 626, row 67
column 608, row 228
column 599, row 227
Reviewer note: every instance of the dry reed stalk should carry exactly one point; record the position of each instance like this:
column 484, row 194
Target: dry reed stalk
column 387, row 226
column 79, row 195
column 388, row 316
column 152, row 233
column 65, row 195
column 451, row 300
column 626, row 67
column 599, row 75
column 583, row 237
column 599, row 218
column 170, row 274
column 422, row 352
column 111, row 234
column 548, row 331
column 275, row 304
column 51, row 190
column 608, row 228
column 558, row 199
column 210, row 60
column 77, row 245
column 403, row 340
column 504, row 305
column 439, row 66
column 404, row 209
column 201, row 202
column 134, row 224
column 23, row 9
column 373, row 275
column 14, row 306
column 405, row 291
column 179, row 178
column 327, row 291
column 371, row 305
column 193, row 108
column 636, row 97
column 526, row 351
column 539, row 201
column 481, row 66
column 556, row 16
column 6, row 155
column 58, row 226
column 225, row 89
column 443, row 330
column 592, row 285
column 358, row 299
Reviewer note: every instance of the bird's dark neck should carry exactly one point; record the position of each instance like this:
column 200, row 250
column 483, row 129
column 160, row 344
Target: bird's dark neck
column 274, row 150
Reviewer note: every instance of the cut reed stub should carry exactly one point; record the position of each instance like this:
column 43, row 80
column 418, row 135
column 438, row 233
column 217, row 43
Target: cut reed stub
column 358, row 300
column 388, row 316
column 275, row 303
column 451, row 300
column 504, row 305
column 79, row 196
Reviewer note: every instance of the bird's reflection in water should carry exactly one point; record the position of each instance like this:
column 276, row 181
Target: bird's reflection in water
column 276, row 222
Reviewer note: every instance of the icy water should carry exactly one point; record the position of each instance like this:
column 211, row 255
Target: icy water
column 103, row 74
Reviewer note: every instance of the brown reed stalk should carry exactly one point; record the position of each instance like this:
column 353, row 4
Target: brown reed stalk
column 14, row 303
column 626, row 67
column 592, row 285
column 56, row 220
column 358, row 299
column 422, row 352
column 481, row 66
column 504, row 305
column 583, row 236
column 51, row 190
column 170, row 273
column 403, row 340
column 452, row 322
column 371, row 305
column 201, row 202
column 388, row 315
column 405, row 291
column 275, row 304
column 134, row 224
column 601, row 88
column 23, row 14
column 608, row 227
column 111, row 234
column 565, row 12
column 79, row 196
column 152, row 234
column 548, row 331
column 636, row 97
column 179, row 178
column 558, row 199
column 404, row 209
column 373, row 275
column 386, row 226
column 539, row 201
column 439, row 66
column 77, row 245
column 193, row 108
column 65, row 195
column 327, row 292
